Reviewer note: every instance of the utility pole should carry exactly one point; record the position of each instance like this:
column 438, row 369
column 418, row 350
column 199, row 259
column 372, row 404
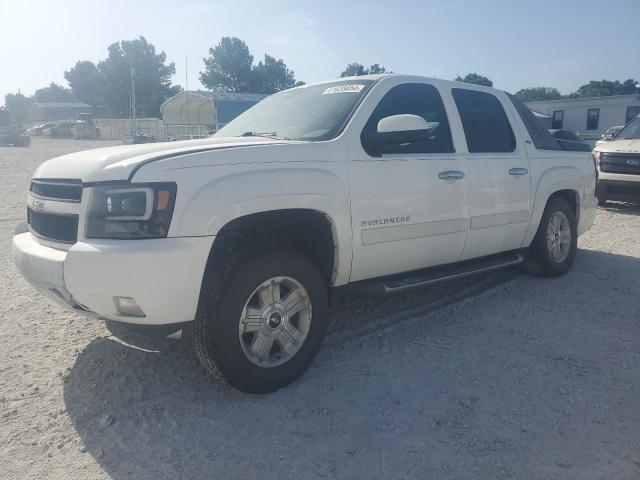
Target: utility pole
column 18, row 119
column 134, row 129
column 186, row 84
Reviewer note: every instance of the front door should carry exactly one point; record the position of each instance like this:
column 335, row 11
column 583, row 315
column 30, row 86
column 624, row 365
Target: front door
column 408, row 202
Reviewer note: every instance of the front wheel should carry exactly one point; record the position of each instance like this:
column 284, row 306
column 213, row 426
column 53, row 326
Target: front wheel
column 553, row 249
column 261, row 320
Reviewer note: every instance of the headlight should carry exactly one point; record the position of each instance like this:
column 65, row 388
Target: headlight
column 130, row 211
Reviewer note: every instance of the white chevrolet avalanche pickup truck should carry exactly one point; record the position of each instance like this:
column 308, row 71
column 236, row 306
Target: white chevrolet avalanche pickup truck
column 381, row 182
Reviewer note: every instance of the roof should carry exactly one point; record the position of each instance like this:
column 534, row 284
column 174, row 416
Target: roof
column 376, row 76
column 587, row 100
column 231, row 97
column 405, row 78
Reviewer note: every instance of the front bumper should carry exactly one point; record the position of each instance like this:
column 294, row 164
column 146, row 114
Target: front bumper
column 164, row 276
column 620, row 190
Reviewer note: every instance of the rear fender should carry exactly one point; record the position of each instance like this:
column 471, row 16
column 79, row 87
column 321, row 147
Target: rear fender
column 552, row 180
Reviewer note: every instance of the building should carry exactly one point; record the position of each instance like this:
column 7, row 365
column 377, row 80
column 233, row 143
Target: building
column 44, row 112
column 213, row 109
column 589, row 117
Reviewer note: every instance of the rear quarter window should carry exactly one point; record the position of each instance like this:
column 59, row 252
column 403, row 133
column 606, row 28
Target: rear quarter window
column 540, row 136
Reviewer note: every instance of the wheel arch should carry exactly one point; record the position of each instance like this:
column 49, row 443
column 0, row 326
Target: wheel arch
column 309, row 232
column 556, row 181
column 264, row 196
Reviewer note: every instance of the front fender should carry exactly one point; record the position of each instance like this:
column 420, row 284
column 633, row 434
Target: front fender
column 239, row 194
column 553, row 180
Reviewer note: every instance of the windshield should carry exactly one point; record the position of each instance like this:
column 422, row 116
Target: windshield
column 631, row 131
column 314, row 113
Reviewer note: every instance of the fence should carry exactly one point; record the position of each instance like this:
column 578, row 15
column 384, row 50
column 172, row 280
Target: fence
column 121, row 128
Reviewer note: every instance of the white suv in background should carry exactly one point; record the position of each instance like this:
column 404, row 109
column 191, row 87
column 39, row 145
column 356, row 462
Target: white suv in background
column 619, row 165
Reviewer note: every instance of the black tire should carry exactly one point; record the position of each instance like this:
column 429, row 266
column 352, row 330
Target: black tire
column 540, row 261
column 224, row 294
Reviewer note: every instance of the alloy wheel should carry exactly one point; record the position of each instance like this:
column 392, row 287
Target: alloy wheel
column 275, row 321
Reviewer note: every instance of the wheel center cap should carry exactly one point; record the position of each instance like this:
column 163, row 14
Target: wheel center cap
column 275, row 320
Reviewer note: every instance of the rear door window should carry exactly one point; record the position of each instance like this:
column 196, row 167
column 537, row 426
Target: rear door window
column 485, row 122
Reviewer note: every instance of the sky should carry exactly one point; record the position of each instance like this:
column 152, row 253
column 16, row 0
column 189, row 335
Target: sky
column 516, row 43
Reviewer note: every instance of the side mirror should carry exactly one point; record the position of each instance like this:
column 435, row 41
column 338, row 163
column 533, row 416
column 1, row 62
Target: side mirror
column 402, row 123
column 397, row 130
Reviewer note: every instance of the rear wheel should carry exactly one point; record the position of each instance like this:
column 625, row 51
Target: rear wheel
column 261, row 320
column 553, row 249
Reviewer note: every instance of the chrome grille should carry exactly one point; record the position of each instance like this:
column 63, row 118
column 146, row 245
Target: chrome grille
column 625, row 163
column 55, row 189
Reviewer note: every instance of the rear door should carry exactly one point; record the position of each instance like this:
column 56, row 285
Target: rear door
column 497, row 169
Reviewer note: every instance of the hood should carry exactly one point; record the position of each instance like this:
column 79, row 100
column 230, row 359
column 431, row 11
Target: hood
column 118, row 163
column 620, row 146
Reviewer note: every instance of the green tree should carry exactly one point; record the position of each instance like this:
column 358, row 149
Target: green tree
column 152, row 77
column 475, row 79
column 272, row 76
column 54, row 93
column 228, row 67
column 85, row 82
column 605, row 88
column 18, row 107
column 533, row 94
column 356, row 69
column 376, row 68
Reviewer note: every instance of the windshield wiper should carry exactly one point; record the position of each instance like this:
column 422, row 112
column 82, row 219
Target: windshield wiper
column 263, row 134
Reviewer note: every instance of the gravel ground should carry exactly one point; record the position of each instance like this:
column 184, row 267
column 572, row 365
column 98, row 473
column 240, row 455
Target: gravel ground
column 500, row 376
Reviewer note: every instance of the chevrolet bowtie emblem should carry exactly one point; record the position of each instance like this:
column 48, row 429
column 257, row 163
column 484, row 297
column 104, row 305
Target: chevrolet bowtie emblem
column 38, row 205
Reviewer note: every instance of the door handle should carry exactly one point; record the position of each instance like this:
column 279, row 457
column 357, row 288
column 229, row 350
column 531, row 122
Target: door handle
column 451, row 175
column 518, row 171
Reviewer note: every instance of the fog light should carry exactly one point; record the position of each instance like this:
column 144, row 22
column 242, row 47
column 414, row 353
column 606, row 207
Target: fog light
column 128, row 306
